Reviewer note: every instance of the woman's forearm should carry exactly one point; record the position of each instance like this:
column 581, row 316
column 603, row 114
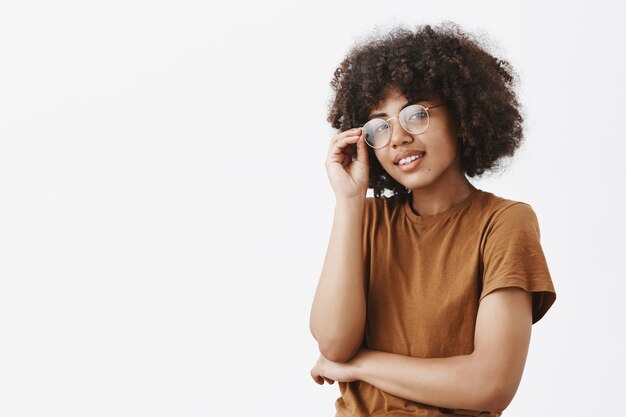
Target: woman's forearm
column 452, row 382
column 337, row 318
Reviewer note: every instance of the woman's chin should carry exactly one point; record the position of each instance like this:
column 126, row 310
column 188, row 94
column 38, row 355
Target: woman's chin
column 414, row 185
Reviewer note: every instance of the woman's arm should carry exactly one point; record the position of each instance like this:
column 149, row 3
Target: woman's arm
column 337, row 318
column 487, row 379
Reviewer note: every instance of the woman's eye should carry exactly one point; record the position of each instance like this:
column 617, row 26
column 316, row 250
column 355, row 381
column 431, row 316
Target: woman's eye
column 417, row 115
column 380, row 129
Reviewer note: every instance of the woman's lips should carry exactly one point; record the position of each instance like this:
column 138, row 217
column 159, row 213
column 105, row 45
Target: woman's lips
column 411, row 165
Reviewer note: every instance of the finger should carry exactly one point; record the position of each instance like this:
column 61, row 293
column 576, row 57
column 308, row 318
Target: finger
column 317, row 378
column 350, row 132
column 340, row 146
column 361, row 150
column 330, row 381
column 337, row 146
column 343, row 135
column 341, row 153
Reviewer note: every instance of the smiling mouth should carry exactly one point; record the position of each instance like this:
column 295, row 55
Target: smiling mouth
column 410, row 159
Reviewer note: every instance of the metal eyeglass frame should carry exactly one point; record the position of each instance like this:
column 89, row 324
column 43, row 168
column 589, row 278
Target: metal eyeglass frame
column 397, row 117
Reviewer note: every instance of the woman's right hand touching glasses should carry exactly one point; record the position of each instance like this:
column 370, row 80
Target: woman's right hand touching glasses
column 349, row 178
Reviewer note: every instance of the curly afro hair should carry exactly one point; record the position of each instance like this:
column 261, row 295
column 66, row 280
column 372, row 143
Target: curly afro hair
column 441, row 61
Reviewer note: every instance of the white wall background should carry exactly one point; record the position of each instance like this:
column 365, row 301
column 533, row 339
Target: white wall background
column 165, row 210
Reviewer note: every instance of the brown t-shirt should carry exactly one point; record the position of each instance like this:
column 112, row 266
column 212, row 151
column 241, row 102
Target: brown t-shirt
column 425, row 277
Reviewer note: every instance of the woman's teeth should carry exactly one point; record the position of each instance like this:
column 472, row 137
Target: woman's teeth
column 409, row 159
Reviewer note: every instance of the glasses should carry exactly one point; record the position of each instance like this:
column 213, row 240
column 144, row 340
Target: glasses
column 414, row 119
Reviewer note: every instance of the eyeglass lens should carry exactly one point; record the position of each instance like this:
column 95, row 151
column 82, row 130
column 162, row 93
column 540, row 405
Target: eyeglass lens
column 413, row 118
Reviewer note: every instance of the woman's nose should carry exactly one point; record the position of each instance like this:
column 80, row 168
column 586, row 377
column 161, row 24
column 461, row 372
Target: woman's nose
column 398, row 134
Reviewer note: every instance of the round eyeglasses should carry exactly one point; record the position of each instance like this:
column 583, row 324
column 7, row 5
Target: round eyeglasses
column 414, row 119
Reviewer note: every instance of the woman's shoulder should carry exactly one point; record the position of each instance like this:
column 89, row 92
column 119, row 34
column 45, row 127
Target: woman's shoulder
column 493, row 206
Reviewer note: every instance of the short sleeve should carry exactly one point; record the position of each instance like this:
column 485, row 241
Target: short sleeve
column 512, row 256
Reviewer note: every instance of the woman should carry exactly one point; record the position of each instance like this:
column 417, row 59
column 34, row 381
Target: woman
column 427, row 296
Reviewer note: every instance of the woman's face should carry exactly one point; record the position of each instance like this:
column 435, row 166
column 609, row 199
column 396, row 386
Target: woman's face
column 439, row 165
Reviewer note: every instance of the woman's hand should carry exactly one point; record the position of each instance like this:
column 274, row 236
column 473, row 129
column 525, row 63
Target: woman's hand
column 347, row 177
column 336, row 371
